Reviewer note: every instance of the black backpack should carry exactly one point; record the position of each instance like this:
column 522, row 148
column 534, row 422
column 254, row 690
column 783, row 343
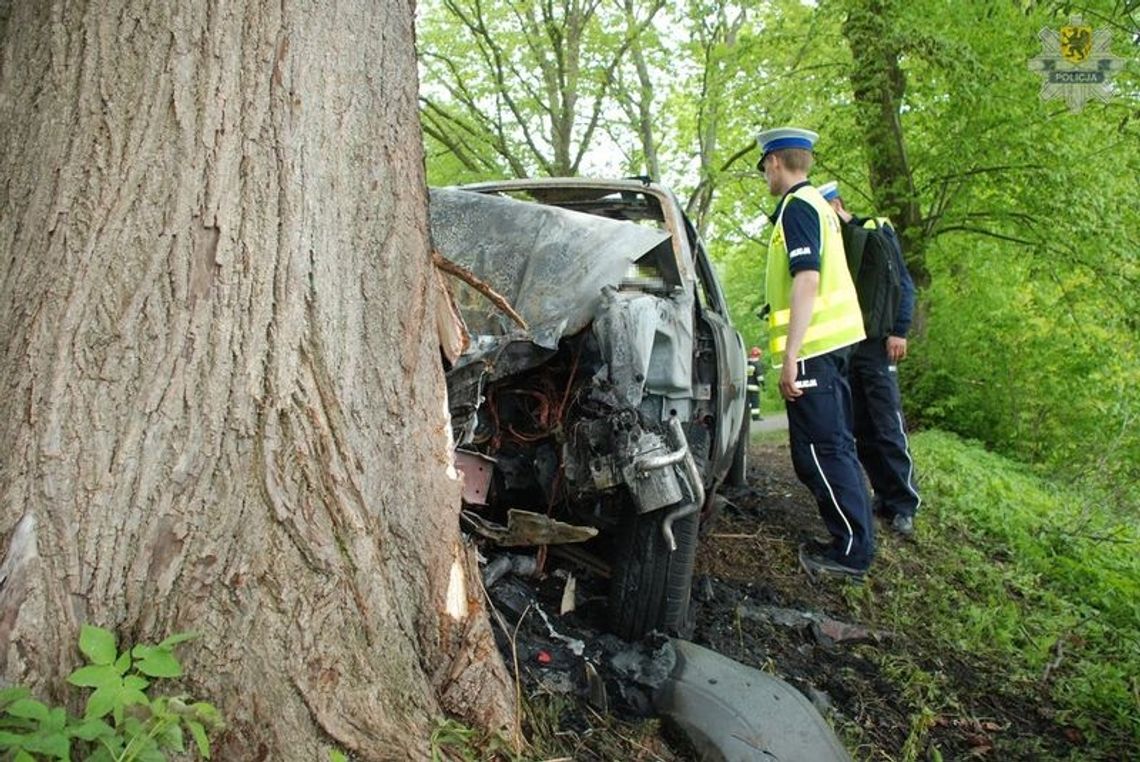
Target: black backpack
column 873, row 254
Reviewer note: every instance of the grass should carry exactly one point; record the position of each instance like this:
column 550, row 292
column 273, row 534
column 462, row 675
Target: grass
column 1020, row 598
column 1018, row 579
column 558, row 728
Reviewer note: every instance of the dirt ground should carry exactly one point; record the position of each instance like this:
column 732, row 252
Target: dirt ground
column 754, row 604
column 747, row 561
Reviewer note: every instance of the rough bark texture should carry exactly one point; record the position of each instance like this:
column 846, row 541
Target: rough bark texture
column 222, row 404
column 878, row 84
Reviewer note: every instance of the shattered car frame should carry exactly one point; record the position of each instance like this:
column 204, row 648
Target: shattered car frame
column 602, row 388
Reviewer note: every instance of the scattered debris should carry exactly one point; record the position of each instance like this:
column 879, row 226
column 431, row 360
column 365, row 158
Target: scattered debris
column 569, row 596
column 526, row 528
column 522, row 565
column 826, row 630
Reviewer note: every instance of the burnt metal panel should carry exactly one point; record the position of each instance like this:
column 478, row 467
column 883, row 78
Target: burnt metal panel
column 549, row 263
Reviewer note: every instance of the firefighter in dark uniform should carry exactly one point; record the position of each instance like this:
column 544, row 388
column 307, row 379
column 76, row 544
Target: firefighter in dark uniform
column 880, row 429
column 813, row 320
column 755, row 381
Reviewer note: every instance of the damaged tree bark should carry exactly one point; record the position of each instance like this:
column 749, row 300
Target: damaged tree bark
column 473, row 280
column 223, row 406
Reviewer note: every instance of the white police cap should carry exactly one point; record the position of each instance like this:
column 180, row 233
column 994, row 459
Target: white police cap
column 829, row 190
column 785, row 137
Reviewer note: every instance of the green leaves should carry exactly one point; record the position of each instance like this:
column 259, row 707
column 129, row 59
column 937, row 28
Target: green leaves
column 28, row 726
column 95, row 676
column 141, row 728
column 156, row 661
column 28, row 709
column 97, row 645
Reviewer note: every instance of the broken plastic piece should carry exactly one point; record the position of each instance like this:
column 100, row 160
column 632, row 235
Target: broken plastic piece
column 476, row 469
column 527, row 528
column 569, row 596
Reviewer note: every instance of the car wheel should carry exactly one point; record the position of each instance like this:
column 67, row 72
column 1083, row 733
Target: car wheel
column 650, row 584
column 738, row 471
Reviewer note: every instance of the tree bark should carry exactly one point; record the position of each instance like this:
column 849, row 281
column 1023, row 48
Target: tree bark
column 223, row 408
column 878, row 84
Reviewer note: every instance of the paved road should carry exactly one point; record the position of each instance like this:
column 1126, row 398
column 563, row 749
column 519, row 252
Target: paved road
column 771, row 422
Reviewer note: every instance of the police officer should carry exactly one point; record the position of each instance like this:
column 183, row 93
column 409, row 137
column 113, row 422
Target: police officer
column 880, row 429
column 813, row 319
column 755, row 381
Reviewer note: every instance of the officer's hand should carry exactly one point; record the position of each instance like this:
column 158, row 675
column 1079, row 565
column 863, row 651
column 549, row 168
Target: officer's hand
column 896, row 348
column 788, row 375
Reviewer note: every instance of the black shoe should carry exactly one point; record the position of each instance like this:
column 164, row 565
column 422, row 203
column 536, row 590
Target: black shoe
column 817, row 564
column 903, row 525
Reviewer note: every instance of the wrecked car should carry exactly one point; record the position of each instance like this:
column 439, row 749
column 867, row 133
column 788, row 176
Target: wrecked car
column 597, row 397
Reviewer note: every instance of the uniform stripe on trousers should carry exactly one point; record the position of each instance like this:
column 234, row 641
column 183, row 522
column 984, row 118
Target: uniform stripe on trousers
column 910, row 462
column 850, row 531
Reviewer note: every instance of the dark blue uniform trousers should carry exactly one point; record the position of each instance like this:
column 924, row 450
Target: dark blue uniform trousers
column 880, row 430
column 823, row 454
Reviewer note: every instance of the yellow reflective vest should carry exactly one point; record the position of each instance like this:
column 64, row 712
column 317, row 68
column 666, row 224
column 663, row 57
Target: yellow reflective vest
column 836, row 320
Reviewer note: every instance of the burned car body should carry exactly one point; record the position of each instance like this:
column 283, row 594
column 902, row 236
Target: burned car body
column 611, row 398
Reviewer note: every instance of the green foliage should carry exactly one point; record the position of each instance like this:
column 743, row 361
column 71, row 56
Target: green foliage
column 1026, row 337
column 452, row 740
column 1017, row 361
column 120, row 723
column 558, row 728
column 1016, row 577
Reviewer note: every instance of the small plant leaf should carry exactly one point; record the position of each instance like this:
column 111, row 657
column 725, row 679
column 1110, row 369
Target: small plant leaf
column 207, row 713
column 89, row 730
column 176, row 638
column 159, row 662
column 95, row 676
column 128, row 696
column 23, row 756
column 16, row 724
column 28, row 708
column 133, row 726
column 8, row 695
column 57, row 720
column 97, row 644
column 55, row 745
column 101, row 702
column 172, row 738
column 123, row 663
column 151, row 753
column 200, row 740
column 135, row 683
column 10, row 740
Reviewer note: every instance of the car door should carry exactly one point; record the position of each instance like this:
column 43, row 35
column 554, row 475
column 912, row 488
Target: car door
column 730, row 359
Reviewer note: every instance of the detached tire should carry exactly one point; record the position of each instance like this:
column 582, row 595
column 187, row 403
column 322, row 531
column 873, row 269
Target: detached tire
column 650, row 585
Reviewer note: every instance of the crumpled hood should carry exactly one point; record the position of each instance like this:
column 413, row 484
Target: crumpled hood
column 550, row 263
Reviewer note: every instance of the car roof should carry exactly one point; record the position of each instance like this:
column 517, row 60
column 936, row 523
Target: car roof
column 567, row 190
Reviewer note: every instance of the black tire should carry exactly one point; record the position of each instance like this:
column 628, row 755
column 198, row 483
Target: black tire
column 738, row 471
column 650, row 585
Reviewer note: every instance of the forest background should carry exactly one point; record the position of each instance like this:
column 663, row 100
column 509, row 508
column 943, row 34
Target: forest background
column 1019, row 218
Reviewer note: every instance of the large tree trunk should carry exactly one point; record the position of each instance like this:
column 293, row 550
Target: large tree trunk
column 878, row 84
column 222, row 402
